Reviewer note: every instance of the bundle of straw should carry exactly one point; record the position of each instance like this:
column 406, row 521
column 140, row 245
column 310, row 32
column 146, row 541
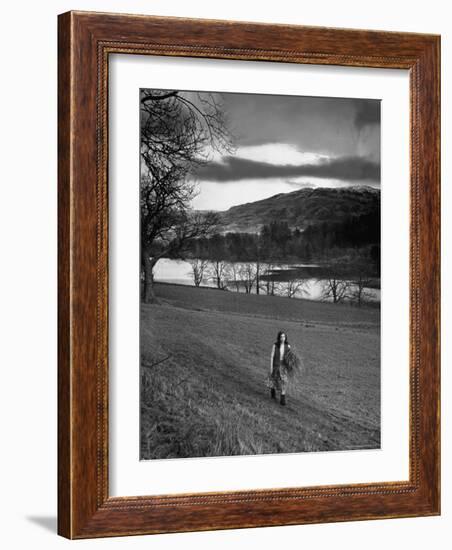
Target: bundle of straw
column 294, row 363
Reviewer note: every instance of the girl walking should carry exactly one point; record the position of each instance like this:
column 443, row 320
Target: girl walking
column 278, row 379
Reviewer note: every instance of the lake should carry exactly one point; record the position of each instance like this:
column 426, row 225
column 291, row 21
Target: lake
column 180, row 272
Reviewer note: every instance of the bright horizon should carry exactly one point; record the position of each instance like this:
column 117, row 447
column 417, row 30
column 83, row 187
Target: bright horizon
column 220, row 198
column 285, row 143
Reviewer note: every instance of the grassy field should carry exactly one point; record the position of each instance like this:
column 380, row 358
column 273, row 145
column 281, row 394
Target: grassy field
column 207, row 396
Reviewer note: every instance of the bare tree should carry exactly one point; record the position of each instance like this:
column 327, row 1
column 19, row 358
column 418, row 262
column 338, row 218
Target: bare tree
column 171, row 239
column 361, row 281
column 335, row 288
column 293, row 287
column 179, row 132
column 198, row 268
column 258, row 271
column 234, row 269
column 248, row 275
column 219, row 272
column 268, row 283
column 258, row 254
column 359, row 293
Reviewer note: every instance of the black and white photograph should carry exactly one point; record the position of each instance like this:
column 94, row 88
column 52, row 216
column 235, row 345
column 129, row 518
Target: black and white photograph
column 259, row 274
column 224, row 287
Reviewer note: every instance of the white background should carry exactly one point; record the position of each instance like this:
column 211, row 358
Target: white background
column 128, row 476
column 28, row 275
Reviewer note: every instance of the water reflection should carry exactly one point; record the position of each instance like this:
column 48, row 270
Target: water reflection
column 297, row 280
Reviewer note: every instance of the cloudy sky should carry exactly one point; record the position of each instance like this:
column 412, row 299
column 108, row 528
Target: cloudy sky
column 284, row 143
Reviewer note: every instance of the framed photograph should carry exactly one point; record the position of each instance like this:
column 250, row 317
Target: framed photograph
column 248, row 275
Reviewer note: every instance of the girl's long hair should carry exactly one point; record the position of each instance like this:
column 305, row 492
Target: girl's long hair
column 278, row 338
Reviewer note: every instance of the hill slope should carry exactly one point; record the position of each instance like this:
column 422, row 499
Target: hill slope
column 302, row 208
column 207, row 395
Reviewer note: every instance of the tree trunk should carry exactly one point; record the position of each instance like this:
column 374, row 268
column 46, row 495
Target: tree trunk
column 258, row 266
column 334, row 289
column 148, row 294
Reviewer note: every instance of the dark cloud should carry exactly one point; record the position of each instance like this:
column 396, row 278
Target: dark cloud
column 367, row 113
column 325, row 125
column 346, row 168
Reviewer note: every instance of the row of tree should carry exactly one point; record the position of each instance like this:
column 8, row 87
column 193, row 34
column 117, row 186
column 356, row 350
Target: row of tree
column 339, row 282
column 278, row 242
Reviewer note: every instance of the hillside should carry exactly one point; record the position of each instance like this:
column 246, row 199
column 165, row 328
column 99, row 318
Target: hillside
column 205, row 356
column 303, row 207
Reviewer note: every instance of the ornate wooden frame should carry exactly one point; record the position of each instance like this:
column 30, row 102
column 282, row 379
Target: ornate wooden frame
column 85, row 508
